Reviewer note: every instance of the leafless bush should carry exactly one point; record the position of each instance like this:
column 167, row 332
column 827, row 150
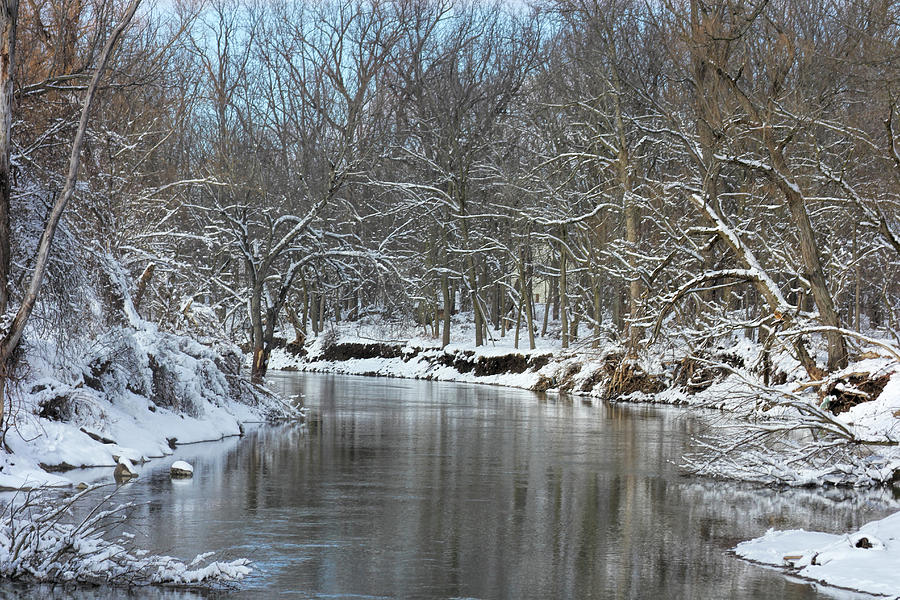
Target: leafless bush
column 784, row 439
column 42, row 541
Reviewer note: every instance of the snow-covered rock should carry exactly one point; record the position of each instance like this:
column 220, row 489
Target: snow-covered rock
column 124, row 470
column 181, row 468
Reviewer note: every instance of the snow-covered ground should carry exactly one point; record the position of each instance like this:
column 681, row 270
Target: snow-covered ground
column 867, row 560
column 737, row 388
column 135, row 395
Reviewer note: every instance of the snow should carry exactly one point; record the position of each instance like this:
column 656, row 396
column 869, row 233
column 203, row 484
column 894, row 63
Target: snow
column 181, row 466
column 867, row 560
column 112, row 395
column 38, row 544
column 874, row 420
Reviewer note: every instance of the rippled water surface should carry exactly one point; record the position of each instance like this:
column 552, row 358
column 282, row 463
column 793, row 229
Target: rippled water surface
column 411, row 489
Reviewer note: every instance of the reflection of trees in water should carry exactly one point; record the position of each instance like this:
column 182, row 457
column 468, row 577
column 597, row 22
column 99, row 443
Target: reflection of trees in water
column 415, row 489
column 831, row 509
column 52, row 592
column 556, row 499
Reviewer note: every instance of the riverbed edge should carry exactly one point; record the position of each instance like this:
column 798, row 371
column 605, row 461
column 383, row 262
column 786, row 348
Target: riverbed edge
column 137, row 394
column 726, row 379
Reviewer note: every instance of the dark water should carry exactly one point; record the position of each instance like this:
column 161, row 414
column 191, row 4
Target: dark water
column 409, row 489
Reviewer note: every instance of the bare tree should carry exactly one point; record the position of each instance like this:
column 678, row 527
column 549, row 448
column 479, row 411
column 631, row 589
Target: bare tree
column 305, row 112
column 460, row 75
column 13, row 334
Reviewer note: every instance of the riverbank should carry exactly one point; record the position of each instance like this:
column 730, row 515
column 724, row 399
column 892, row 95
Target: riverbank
column 864, row 560
column 862, row 401
column 727, row 378
column 757, row 391
column 137, row 394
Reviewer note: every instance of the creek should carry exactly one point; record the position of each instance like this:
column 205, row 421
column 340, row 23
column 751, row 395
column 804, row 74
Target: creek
column 419, row 489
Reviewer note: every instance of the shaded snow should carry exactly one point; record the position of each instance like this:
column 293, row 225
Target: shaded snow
column 113, row 396
column 866, row 560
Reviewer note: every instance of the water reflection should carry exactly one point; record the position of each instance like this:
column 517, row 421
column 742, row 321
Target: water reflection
column 422, row 490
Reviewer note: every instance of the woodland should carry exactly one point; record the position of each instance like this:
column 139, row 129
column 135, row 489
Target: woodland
column 658, row 174
column 700, row 196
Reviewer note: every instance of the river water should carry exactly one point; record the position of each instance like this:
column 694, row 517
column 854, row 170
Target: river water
column 414, row 489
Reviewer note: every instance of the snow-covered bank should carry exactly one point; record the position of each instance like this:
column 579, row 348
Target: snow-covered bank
column 727, row 378
column 136, row 394
column 780, row 428
column 866, row 560
column 412, row 360
column 39, row 542
column 379, row 350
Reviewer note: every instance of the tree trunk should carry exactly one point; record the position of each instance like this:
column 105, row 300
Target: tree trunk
column 546, row 315
column 634, row 285
column 519, row 314
column 353, row 313
column 554, row 290
column 482, row 301
column 299, row 336
column 436, row 322
column 142, row 285
column 495, row 306
column 476, row 305
column 526, row 298
column 598, row 315
column 263, row 347
column 815, row 272
column 503, row 324
column 9, row 15
column 259, row 365
column 705, row 47
column 532, row 307
column 314, row 313
column 445, row 293
column 337, row 306
column 857, row 279
column 304, row 311
column 618, row 307
column 632, row 213
column 573, row 323
column 563, row 299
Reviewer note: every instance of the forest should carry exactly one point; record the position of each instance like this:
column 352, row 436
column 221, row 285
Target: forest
column 683, row 201
column 654, row 175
